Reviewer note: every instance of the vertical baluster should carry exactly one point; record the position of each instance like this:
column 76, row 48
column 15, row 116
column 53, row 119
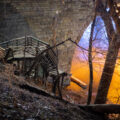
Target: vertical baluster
column 17, row 43
column 7, row 44
column 24, row 51
column 28, row 41
column 38, row 44
column 31, row 41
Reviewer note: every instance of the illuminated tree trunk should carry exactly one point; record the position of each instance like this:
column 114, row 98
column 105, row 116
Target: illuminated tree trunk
column 107, row 72
column 110, row 59
column 90, row 62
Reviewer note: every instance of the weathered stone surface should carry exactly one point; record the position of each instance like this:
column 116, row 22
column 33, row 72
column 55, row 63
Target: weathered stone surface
column 47, row 20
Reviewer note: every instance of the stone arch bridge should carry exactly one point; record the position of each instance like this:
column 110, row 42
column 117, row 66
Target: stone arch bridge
column 51, row 21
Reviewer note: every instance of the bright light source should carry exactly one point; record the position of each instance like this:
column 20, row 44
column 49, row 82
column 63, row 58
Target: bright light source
column 57, row 11
column 117, row 11
column 118, row 5
column 107, row 9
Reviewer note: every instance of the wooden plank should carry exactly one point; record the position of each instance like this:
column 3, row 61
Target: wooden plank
column 78, row 82
column 102, row 108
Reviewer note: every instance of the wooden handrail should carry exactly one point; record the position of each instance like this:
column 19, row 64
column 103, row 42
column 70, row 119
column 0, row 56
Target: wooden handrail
column 20, row 38
column 39, row 40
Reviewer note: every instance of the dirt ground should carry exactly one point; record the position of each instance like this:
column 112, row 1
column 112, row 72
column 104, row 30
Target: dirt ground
column 21, row 104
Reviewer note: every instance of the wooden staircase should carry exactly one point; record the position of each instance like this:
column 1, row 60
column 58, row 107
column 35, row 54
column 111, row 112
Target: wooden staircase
column 23, row 48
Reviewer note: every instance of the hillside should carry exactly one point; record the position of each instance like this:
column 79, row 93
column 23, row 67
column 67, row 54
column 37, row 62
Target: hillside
column 20, row 104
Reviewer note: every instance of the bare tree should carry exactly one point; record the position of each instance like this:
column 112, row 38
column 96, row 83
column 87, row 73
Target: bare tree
column 110, row 58
column 90, row 62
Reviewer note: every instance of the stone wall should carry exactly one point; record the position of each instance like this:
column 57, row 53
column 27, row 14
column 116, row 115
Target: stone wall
column 12, row 23
column 50, row 20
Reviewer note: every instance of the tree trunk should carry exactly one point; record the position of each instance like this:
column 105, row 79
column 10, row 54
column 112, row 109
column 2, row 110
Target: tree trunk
column 110, row 58
column 101, row 10
column 107, row 72
column 90, row 62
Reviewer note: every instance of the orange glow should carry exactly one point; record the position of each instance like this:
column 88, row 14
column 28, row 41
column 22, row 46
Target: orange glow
column 80, row 69
column 74, row 87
